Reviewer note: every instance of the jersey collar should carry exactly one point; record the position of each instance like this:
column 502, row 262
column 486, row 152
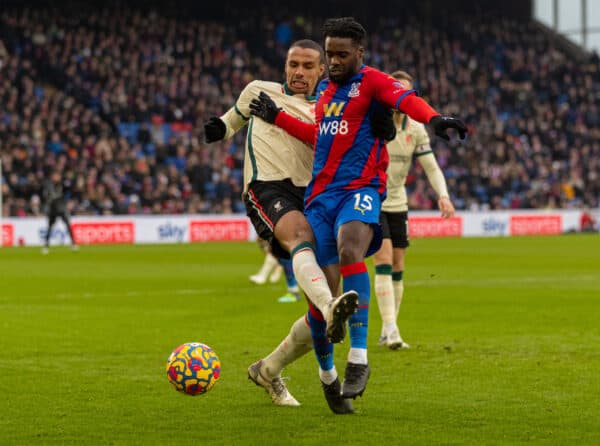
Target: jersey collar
column 289, row 92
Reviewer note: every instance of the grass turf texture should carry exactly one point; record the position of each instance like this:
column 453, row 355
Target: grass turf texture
column 504, row 335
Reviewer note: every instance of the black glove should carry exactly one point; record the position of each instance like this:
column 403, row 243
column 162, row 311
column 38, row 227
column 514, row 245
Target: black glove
column 214, row 130
column 441, row 123
column 382, row 125
column 264, row 108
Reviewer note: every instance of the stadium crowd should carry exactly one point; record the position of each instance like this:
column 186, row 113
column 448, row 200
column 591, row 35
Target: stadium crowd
column 116, row 100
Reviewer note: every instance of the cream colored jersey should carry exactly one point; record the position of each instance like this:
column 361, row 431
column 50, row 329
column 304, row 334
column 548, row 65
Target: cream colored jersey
column 271, row 153
column 411, row 139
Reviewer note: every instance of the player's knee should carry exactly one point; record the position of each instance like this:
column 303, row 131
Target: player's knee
column 303, row 233
column 350, row 253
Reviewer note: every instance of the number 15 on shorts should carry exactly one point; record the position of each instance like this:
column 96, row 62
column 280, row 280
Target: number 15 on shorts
column 363, row 203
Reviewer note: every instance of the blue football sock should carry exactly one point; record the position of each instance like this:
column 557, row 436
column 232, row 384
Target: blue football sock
column 356, row 277
column 323, row 348
column 290, row 279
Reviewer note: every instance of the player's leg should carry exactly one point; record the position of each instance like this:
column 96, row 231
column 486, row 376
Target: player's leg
column 397, row 222
column 353, row 241
column 276, row 273
column 298, row 233
column 51, row 221
column 293, row 292
column 294, row 234
column 276, row 211
column 358, row 236
column 384, row 289
column 267, row 371
column 337, row 311
column 394, row 340
column 330, row 382
column 269, row 263
column 400, row 242
column 67, row 222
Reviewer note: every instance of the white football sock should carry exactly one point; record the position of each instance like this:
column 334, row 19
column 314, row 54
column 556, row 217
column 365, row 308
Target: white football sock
column 268, row 265
column 296, row 344
column 357, row 355
column 384, row 290
column 311, row 278
column 398, row 292
column 328, row 376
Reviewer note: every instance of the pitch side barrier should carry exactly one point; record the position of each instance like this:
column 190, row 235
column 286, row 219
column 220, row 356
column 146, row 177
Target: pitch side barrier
column 205, row 228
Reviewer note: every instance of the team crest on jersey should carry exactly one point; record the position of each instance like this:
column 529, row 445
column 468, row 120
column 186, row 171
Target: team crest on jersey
column 354, row 92
column 408, row 139
column 278, row 207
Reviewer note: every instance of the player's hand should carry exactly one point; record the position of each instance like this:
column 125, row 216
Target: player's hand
column 382, row 125
column 264, row 107
column 214, row 130
column 446, row 207
column 442, row 123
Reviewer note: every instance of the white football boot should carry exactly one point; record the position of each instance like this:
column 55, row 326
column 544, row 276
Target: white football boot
column 275, row 387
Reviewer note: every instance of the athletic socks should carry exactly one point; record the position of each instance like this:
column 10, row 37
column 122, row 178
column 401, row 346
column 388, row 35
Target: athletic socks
column 323, row 348
column 290, row 279
column 356, row 277
column 398, row 285
column 268, row 265
column 384, row 291
column 295, row 345
column 310, row 277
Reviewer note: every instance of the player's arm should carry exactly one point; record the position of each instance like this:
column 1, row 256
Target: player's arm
column 436, row 178
column 382, row 123
column 227, row 125
column 224, row 127
column 389, row 91
column 265, row 108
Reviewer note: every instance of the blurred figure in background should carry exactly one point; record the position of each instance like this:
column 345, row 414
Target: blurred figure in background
column 411, row 140
column 271, row 271
column 56, row 207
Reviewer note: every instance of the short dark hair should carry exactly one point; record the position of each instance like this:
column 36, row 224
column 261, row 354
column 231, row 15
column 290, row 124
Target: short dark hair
column 345, row 27
column 307, row 43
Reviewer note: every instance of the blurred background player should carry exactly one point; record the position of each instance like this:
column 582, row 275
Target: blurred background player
column 411, row 140
column 56, row 207
column 272, row 269
column 343, row 199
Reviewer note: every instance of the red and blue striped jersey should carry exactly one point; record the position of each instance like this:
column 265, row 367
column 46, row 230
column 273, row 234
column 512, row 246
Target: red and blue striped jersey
column 347, row 154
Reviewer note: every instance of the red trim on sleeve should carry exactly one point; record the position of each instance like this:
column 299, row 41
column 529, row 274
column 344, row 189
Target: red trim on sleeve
column 417, row 108
column 354, row 268
column 304, row 131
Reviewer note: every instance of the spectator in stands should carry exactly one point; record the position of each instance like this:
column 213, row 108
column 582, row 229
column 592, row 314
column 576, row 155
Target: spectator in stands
column 109, row 90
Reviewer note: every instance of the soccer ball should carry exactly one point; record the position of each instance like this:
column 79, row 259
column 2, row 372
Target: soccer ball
column 193, row 368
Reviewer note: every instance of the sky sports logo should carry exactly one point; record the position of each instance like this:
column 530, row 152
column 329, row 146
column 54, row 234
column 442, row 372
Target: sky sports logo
column 494, row 226
column 435, row 227
column 535, row 224
column 214, row 230
column 103, row 233
column 170, row 231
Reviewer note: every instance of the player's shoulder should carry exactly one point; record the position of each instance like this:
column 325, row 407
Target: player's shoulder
column 271, row 88
column 375, row 74
column 416, row 126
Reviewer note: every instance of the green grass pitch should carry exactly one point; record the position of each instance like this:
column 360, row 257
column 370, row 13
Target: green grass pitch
column 505, row 337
